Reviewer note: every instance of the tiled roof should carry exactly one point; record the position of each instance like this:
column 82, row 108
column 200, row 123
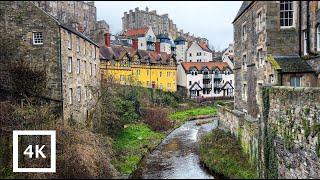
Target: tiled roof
column 204, row 46
column 117, row 52
column 243, row 8
column 137, row 32
column 200, row 65
column 293, row 64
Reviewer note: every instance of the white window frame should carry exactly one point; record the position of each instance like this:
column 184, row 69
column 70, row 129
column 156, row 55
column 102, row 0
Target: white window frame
column 85, row 67
column 260, row 57
column 79, row 93
column 305, row 41
column 318, row 35
column 285, row 11
column 244, row 62
column 295, row 81
column 37, row 38
column 90, row 69
column 69, row 66
column 78, row 66
column 259, row 20
column 78, row 44
column 70, row 96
column 69, row 40
column 244, row 31
column 244, row 92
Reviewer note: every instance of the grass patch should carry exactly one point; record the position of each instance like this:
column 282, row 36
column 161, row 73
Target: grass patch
column 222, row 154
column 132, row 143
column 193, row 113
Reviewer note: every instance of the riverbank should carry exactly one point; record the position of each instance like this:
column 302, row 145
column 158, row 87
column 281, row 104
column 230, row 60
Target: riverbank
column 139, row 139
column 176, row 157
column 221, row 153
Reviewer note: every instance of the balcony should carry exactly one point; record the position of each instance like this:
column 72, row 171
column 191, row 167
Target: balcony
column 207, row 86
column 218, row 76
column 151, row 39
column 206, row 76
column 218, row 85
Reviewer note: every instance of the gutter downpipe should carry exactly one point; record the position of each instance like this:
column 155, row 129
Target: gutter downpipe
column 308, row 27
column 300, row 29
column 60, row 64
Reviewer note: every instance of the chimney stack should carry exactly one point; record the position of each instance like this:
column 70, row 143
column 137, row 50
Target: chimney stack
column 158, row 46
column 107, row 39
column 135, row 44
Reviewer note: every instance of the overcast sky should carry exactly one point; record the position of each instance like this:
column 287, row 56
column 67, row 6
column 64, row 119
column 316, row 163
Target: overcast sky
column 210, row 19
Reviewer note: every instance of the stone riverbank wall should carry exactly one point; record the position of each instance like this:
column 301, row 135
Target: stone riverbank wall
column 285, row 141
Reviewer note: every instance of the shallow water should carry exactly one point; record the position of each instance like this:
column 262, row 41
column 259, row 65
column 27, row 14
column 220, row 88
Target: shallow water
column 177, row 155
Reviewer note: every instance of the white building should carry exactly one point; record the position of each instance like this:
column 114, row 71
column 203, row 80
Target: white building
column 205, row 79
column 228, row 55
column 165, row 43
column 198, row 52
column 146, row 38
column 181, row 48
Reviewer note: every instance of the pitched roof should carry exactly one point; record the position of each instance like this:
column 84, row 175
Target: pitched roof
column 292, row 64
column 180, row 38
column 245, row 5
column 200, row 65
column 137, row 32
column 204, row 46
column 114, row 51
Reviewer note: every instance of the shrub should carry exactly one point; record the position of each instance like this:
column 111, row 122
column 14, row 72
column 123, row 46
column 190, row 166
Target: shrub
column 156, row 118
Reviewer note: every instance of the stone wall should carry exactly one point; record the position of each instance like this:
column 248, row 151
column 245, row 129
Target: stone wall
column 294, row 116
column 18, row 20
column 285, row 141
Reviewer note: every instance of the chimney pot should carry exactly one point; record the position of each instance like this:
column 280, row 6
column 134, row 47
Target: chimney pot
column 135, row 44
column 158, row 46
column 107, row 39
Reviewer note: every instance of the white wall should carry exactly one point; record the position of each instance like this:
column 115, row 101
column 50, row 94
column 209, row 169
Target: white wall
column 181, row 76
column 165, row 47
column 142, row 41
column 193, row 50
column 181, row 51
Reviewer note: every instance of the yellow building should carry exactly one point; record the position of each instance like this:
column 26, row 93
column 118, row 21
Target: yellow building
column 144, row 68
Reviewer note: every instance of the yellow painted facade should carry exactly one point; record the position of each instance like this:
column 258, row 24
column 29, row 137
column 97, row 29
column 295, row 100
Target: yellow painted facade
column 125, row 71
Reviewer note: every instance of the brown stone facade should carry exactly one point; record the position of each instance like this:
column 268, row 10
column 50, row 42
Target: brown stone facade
column 21, row 20
column 265, row 36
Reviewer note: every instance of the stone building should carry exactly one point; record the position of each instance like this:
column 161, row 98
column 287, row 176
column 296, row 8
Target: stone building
column 69, row 58
column 81, row 15
column 267, row 49
column 161, row 24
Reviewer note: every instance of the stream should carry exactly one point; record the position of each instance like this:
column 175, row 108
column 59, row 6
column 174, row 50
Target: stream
column 176, row 157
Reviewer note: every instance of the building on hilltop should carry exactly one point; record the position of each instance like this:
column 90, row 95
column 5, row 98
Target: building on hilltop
column 81, row 15
column 69, row 58
column 161, row 24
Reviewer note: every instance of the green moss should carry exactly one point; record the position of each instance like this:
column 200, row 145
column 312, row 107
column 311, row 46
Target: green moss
column 222, row 154
column 306, row 127
column 306, row 110
column 273, row 62
column 288, row 139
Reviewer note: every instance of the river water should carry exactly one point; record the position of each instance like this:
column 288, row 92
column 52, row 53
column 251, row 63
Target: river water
column 176, row 157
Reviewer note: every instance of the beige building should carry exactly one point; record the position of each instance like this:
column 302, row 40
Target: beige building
column 70, row 59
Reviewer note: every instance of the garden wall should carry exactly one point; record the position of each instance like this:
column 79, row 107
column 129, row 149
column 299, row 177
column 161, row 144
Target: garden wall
column 284, row 142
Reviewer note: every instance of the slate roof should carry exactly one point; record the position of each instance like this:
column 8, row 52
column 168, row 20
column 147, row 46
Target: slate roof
column 180, row 38
column 293, row 64
column 243, row 8
column 162, row 36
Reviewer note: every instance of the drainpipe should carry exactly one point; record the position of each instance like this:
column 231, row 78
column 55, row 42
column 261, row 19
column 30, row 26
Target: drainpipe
column 308, row 27
column 60, row 64
column 300, row 39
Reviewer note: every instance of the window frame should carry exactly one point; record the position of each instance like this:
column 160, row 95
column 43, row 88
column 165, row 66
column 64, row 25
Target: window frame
column 318, row 36
column 35, row 38
column 284, row 11
column 69, row 40
column 69, row 65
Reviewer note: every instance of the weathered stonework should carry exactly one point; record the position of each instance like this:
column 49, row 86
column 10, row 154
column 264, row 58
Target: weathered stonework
column 20, row 20
column 285, row 143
